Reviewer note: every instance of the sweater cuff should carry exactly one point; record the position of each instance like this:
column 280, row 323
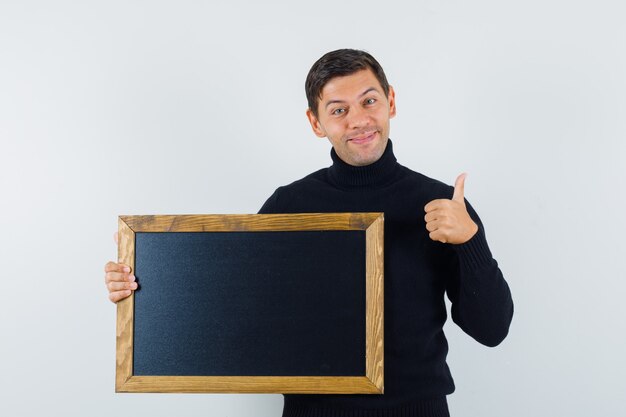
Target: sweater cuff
column 474, row 254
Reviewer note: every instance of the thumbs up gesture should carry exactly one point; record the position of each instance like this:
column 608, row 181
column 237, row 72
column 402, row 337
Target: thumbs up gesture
column 448, row 220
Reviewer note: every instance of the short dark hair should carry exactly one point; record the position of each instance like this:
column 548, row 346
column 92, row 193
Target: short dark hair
column 336, row 64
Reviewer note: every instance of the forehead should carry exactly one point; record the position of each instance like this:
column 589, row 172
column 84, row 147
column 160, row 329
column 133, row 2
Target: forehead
column 350, row 86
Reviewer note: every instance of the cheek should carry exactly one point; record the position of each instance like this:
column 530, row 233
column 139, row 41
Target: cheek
column 335, row 130
column 382, row 115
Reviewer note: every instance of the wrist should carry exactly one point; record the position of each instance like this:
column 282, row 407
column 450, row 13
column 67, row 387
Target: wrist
column 474, row 253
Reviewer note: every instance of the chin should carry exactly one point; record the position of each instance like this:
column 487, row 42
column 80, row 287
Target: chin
column 362, row 155
column 373, row 156
column 362, row 160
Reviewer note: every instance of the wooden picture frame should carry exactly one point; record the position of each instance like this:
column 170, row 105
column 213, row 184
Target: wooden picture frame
column 371, row 382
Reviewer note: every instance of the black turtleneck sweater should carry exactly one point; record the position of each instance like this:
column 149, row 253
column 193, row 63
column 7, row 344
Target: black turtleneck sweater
column 418, row 271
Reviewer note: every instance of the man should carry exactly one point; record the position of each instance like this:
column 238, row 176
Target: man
column 434, row 243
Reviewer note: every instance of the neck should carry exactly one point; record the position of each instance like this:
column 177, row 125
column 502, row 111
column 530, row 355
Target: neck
column 375, row 174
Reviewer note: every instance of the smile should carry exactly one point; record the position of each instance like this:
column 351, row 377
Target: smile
column 368, row 137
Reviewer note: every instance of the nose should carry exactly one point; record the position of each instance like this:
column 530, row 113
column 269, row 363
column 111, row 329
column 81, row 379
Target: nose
column 358, row 117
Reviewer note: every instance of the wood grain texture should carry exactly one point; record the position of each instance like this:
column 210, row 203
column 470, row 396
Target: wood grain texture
column 250, row 222
column 371, row 383
column 375, row 297
column 251, row 384
column 124, row 332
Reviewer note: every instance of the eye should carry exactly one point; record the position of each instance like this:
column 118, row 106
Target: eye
column 338, row 111
column 370, row 101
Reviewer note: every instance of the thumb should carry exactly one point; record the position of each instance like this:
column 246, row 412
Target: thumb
column 459, row 189
column 115, row 237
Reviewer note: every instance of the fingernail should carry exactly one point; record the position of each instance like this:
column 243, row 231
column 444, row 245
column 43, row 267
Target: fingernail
column 126, row 269
column 133, row 286
column 131, row 278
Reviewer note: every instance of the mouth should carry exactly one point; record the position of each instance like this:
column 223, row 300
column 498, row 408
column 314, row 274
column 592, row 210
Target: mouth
column 363, row 138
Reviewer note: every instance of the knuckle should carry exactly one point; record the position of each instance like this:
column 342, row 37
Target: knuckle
column 114, row 267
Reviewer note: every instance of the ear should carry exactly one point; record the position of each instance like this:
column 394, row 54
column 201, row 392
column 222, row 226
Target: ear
column 315, row 124
column 392, row 102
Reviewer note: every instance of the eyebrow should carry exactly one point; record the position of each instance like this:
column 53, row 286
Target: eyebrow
column 360, row 95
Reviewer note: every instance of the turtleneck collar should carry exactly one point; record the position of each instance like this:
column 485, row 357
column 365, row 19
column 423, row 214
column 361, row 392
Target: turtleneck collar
column 375, row 174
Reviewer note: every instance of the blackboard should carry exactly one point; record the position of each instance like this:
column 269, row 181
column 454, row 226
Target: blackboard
column 252, row 303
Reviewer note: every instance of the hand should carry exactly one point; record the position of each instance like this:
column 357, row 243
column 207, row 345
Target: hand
column 118, row 279
column 448, row 220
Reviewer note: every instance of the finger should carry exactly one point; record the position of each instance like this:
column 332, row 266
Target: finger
column 435, row 204
column 115, row 267
column 118, row 277
column 459, row 189
column 432, row 226
column 116, row 237
column 437, row 236
column 114, row 286
column 433, row 215
column 119, row 295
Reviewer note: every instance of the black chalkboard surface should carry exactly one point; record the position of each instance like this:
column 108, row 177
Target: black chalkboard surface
column 252, row 303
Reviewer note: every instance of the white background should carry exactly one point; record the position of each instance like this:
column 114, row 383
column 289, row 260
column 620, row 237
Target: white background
column 127, row 107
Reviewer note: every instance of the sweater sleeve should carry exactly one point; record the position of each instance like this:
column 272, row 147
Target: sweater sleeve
column 481, row 299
